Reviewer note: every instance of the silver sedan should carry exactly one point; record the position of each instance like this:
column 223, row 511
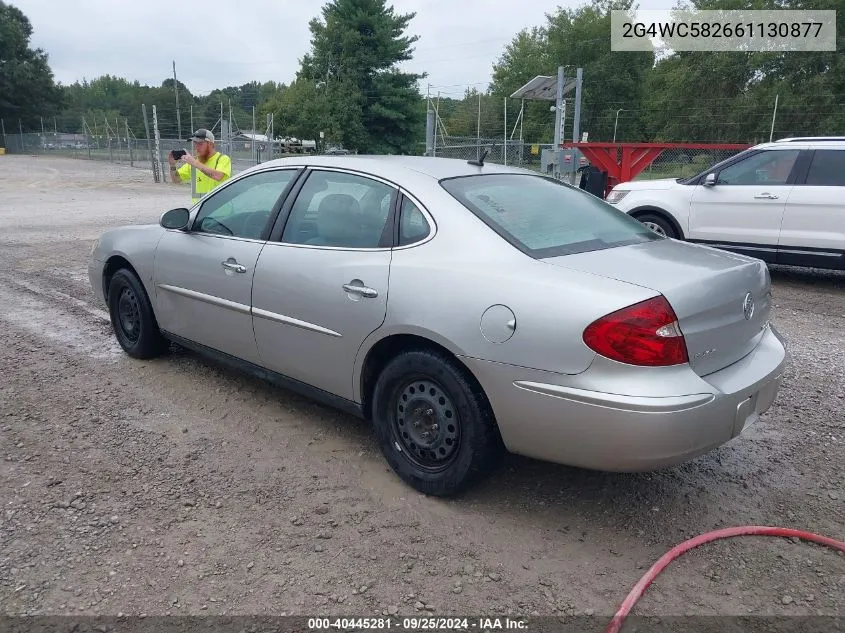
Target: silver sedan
column 464, row 309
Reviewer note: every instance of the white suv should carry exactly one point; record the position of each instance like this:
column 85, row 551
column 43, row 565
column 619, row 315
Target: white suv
column 782, row 202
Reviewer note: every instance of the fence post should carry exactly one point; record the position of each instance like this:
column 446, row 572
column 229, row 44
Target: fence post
column 478, row 131
column 149, row 142
column 129, row 144
column 576, row 124
column 108, row 136
column 429, row 131
column 505, row 146
column 157, row 142
column 269, row 137
column 85, row 131
column 3, row 127
column 20, row 129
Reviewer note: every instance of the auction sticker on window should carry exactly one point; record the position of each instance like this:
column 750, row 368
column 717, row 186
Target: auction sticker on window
column 736, row 31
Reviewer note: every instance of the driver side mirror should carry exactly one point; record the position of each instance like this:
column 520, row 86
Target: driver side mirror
column 710, row 180
column 175, row 219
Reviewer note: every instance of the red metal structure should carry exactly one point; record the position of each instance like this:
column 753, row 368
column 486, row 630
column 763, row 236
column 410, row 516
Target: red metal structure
column 625, row 161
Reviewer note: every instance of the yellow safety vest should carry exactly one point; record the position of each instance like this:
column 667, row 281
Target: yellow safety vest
column 202, row 184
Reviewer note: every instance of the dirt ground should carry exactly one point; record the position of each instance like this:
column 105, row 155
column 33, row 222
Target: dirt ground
column 179, row 487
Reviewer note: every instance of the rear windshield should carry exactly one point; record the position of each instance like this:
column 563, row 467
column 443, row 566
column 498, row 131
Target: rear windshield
column 545, row 218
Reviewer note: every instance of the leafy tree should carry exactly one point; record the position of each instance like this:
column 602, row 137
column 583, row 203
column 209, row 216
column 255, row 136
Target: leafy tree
column 360, row 99
column 576, row 38
column 27, row 89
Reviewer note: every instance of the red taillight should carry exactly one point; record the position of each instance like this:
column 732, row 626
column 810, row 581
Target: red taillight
column 645, row 333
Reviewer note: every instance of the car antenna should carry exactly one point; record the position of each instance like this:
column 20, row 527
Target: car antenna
column 480, row 161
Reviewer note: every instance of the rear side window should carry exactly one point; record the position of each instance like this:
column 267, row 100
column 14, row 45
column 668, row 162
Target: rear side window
column 413, row 227
column 827, row 168
column 545, row 218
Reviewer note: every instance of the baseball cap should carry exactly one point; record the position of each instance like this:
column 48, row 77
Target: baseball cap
column 202, row 135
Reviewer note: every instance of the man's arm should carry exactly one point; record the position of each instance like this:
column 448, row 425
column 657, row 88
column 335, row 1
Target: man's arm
column 178, row 176
column 216, row 174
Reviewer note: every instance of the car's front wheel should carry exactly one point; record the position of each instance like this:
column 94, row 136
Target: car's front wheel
column 132, row 317
column 435, row 427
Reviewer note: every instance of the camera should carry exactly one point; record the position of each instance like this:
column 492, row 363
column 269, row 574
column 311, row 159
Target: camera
column 178, row 153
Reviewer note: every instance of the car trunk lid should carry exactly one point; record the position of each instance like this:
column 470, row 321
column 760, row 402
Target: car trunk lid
column 722, row 300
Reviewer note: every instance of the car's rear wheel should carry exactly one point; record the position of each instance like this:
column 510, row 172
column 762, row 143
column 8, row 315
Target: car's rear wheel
column 435, row 427
column 658, row 224
column 132, row 317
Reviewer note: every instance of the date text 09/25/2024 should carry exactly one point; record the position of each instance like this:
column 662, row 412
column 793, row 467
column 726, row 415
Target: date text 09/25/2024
column 418, row 624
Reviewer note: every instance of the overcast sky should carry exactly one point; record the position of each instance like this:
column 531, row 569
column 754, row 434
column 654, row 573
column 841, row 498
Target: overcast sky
column 215, row 44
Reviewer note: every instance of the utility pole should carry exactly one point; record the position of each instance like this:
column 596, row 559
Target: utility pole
column 176, row 90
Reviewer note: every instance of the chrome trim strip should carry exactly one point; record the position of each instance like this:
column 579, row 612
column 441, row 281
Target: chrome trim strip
column 769, row 249
column 321, row 247
column 286, row 320
column 796, row 251
column 645, row 404
column 212, row 300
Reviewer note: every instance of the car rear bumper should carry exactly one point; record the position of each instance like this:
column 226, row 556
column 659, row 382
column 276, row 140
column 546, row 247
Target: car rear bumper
column 671, row 417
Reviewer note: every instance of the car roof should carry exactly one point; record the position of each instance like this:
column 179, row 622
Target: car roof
column 805, row 142
column 390, row 166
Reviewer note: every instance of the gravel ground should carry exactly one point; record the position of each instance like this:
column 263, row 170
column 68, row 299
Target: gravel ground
column 178, row 487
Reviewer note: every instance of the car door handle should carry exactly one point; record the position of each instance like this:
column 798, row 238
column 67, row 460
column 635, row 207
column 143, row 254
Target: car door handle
column 766, row 196
column 361, row 290
column 233, row 266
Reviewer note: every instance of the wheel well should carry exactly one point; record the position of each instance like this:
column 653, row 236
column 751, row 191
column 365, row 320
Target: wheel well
column 636, row 213
column 387, row 348
column 114, row 263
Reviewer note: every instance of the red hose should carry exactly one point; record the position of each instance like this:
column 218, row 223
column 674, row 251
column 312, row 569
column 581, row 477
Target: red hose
column 675, row 552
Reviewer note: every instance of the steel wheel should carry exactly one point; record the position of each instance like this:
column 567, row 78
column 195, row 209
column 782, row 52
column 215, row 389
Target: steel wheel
column 426, row 424
column 129, row 315
column 132, row 317
column 656, row 228
column 434, row 424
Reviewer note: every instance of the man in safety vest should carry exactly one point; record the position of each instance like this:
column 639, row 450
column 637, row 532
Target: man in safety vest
column 206, row 170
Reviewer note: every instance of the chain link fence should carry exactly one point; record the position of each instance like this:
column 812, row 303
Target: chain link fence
column 247, row 150
column 513, row 153
column 684, row 163
column 140, row 153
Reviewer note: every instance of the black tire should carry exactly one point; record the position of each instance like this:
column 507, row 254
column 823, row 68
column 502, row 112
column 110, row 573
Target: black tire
column 465, row 440
column 658, row 223
column 132, row 317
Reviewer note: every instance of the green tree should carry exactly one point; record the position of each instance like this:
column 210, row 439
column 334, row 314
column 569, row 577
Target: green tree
column 27, row 89
column 360, row 98
column 577, row 38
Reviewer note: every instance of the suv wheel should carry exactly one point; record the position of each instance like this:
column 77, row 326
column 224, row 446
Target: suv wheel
column 658, row 224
